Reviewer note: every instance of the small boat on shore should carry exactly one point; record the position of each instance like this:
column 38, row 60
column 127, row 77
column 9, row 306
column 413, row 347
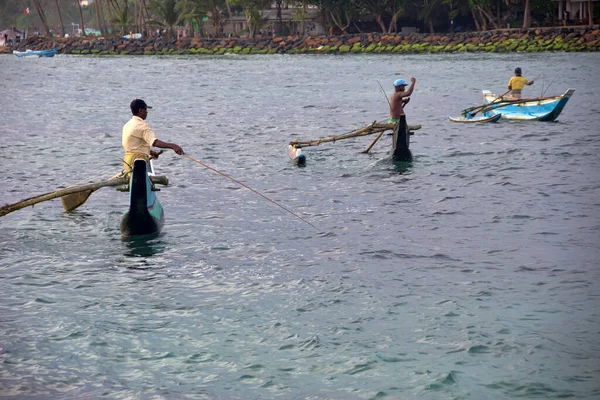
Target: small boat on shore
column 527, row 109
column 145, row 215
column 38, row 53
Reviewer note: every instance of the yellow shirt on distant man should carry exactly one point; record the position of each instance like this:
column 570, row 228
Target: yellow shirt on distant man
column 517, row 82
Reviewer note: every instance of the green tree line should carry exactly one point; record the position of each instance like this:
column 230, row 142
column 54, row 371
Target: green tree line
column 112, row 17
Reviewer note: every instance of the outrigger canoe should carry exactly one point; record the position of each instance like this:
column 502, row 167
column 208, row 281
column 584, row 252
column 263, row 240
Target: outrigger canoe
column 528, row 109
column 145, row 215
column 400, row 144
column 38, row 53
column 401, row 141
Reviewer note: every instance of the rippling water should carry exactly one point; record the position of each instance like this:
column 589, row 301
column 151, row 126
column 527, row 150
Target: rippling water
column 470, row 274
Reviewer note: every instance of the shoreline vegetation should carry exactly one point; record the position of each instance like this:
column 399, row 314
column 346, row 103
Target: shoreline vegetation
column 569, row 39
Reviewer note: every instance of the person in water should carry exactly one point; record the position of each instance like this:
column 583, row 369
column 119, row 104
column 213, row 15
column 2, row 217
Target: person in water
column 138, row 137
column 400, row 98
column 517, row 83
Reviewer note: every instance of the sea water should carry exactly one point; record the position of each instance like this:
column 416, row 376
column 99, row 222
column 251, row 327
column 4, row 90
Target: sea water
column 471, row 273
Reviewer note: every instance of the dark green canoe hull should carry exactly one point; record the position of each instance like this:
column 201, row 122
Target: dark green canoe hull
column 145, row 215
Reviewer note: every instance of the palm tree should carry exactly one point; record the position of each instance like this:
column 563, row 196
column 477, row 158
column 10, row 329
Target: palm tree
column 122, row 19
column 165, row 13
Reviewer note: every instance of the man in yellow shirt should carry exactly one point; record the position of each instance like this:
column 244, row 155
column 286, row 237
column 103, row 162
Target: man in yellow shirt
column 138, row 137
column 517, row 83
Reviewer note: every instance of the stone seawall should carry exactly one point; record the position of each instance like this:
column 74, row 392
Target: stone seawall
column 573, row 39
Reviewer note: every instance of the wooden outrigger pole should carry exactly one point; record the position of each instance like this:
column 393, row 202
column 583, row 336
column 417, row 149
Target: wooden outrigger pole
column 295, row 146
column 375, row 127
column 72, row 190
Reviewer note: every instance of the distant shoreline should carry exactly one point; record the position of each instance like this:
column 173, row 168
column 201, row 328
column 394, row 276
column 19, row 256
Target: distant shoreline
column 571, row 39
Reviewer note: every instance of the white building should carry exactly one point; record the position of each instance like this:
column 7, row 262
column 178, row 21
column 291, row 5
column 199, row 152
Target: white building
column 577, row 10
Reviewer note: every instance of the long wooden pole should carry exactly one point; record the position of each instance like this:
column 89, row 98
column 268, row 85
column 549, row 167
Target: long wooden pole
column 162, row 180
column 486, row 108
column 368, row 130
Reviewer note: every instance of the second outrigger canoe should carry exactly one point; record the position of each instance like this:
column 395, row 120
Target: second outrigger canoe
column 528, row 109
column 400, row 145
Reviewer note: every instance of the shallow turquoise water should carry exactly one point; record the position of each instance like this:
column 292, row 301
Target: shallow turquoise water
column 471, row 274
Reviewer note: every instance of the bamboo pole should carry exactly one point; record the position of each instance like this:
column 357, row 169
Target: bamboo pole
column 375, row 127
column 8, row 208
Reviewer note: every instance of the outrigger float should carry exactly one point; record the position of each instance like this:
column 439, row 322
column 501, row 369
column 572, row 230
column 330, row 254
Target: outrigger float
column 144, row 216
column 400, row 144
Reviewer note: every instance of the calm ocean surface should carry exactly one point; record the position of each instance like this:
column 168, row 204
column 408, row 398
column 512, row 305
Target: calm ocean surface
column 474, row 273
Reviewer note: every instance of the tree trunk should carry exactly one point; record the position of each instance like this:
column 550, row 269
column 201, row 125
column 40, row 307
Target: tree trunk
column 430, row 24
column 100, row 18
column 526, row 16
column 145, row 15
column 590, row 13
column 483, row 21
column 303, row 18
column 62, row 25
column 81, row 18
column 231, row 16
column 379, row 20
column 338, row 22
column 42, row 15
column 279, row 17
column 476, row 20
column 393, row 27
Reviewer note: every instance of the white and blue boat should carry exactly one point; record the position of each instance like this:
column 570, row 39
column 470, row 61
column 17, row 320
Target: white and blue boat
column 527, row 109
column 38, row 53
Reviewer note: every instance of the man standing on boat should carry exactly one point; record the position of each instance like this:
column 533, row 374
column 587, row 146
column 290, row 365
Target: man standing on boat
column 399, row 99
column 517, row 83
column 138, row 137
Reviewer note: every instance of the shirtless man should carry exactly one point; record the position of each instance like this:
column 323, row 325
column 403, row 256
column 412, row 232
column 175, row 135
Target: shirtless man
column 399, row 99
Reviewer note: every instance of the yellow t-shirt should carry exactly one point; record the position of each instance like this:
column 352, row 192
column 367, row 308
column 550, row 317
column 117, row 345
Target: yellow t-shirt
column 137, row 136
column 517, row 82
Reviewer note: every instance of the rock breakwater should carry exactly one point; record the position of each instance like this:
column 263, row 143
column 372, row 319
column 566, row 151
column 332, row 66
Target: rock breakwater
column 571, row 39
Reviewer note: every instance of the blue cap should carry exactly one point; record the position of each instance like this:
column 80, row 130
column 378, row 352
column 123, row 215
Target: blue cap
column 400, row 82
